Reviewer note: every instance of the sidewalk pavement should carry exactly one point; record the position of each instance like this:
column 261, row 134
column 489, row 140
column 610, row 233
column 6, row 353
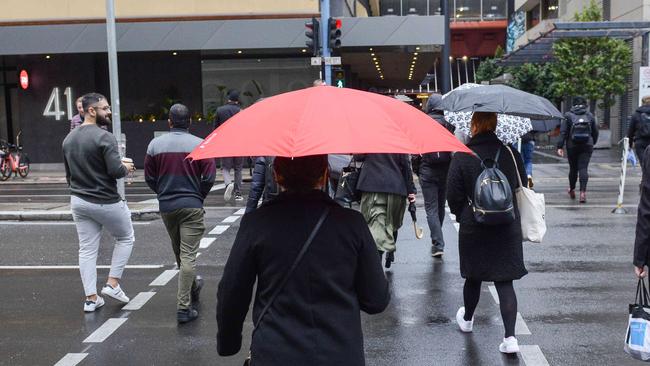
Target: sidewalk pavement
column 57, row 211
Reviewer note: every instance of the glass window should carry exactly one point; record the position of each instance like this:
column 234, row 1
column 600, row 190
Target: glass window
column 532, row 17
column 468, row 10
column 414, row 7
column 494, row 9
column 390, row 7
column 435, row 8
column 550, row 9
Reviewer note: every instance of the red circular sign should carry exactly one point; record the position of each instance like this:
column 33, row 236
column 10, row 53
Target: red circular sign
column 24, row 79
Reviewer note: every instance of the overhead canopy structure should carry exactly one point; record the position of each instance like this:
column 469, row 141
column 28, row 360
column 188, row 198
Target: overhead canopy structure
column 540, row 50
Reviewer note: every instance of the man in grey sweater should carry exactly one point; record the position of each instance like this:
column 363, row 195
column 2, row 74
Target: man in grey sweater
column 92, row 166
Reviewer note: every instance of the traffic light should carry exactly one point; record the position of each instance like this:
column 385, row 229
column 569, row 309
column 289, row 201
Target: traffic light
column 339, row 79
column 312, row 33
column 334, row 32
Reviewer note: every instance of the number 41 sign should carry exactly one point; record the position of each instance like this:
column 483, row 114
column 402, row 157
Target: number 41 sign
column 53, row 107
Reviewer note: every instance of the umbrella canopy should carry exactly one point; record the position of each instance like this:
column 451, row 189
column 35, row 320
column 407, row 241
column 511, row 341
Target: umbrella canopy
column 509, row 128
column 500, row 99
column 327, row 120
column 545, row 125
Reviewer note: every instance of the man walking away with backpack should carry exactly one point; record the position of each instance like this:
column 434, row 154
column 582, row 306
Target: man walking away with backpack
column 182, row 186
column 639, row 129
column 263, row 184
column 431, row 169
column 580, row 133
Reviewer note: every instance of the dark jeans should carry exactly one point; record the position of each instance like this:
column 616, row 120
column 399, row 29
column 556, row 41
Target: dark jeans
column 434, row 191
column 527, row 149
column 639, row 150
column 579, row 157
column 236, row 163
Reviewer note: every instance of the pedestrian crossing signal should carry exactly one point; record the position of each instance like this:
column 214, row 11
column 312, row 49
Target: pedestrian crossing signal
column 339, row 78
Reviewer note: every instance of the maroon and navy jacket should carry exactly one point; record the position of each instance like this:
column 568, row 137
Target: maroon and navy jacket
column 179, row 183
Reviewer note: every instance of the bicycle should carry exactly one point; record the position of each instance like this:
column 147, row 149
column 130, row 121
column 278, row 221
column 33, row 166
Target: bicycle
column 13, row 159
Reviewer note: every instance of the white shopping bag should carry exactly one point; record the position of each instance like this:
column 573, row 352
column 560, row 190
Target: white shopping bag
column 532, row 210
column 637, row 338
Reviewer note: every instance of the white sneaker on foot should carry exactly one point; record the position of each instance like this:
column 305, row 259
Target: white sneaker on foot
column 115, row 292
column 464, row 325
column 509, row 345
column 90, row 306
column 227, row 194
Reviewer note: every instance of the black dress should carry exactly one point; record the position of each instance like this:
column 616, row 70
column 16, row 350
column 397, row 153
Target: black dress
column 487, row 253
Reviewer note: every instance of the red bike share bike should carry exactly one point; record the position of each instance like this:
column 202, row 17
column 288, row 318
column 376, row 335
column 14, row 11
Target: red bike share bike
column 13, row 159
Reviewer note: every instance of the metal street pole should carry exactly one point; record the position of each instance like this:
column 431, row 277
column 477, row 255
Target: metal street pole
column 115, row 87
column 325, row 37
column 445, row 65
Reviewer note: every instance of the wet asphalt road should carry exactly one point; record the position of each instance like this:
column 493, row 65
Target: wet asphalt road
column 573, row 303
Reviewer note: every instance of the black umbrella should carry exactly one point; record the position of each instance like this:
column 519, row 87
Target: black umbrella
column 500, row 99
column 544, row 125
column 419, row 233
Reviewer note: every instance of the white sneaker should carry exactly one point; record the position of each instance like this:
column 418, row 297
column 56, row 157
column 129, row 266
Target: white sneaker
column 509, row 345
column 90, row 306
column 464, row 325
column 227, row 194
column 115, row 292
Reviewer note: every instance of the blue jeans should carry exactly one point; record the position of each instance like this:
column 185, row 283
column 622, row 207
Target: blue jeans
column 527, row 149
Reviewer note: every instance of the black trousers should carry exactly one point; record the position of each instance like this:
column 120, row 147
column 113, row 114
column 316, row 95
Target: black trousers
column 434, row 191
column 579, row 156
column 639, row 150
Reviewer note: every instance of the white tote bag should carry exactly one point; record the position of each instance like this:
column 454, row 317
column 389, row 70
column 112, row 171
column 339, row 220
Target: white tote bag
column 532, row 210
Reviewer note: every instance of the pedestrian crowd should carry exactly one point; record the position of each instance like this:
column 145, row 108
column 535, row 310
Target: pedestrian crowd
column 318, row 264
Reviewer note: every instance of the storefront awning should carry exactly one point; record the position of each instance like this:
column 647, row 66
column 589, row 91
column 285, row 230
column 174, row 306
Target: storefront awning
column 540, row 50
column 208, row 35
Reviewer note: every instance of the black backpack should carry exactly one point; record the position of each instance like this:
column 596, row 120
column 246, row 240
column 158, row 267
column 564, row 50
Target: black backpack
column 492, row 203
column 643, row 127
column 580, row 128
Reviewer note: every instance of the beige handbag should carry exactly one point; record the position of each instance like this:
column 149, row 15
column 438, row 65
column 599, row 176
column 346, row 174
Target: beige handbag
column 532, row 210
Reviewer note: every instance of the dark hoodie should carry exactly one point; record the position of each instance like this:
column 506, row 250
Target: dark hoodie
column 423, row 164
column 634, row 131
column 577, row 111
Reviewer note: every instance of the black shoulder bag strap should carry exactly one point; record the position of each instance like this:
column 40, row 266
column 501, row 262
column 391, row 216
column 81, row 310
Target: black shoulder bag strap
column 278, row 289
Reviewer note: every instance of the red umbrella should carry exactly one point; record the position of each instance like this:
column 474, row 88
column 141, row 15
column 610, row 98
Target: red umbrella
column 327, row 120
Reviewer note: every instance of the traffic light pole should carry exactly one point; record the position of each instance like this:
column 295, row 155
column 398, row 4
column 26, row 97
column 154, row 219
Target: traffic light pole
column 324, row 38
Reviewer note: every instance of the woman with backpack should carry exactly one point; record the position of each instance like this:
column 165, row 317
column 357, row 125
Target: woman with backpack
column 490, row 239
column 580, row 133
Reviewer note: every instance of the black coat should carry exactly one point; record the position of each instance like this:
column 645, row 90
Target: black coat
column 565, row 127
column 487, row 253
column 642, row 239
column 224, row 113
column 386, row 173
column 315, row 320
column 633, row 131
column 263, row 183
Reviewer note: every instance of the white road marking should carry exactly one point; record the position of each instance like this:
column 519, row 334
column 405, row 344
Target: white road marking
column 533, row 356
column 520, row 326
column 198, row 254
column 219, row 229
column 71, row 359
column 153, row 200
column 241, row 212
column 495, row 295
column 164, row 277
column 134, row 266
column 59, row 223
column 205, row 242
column 457, row 226
column 138, row 301
column 217, row 187
column 105, row 330
column 230, row 219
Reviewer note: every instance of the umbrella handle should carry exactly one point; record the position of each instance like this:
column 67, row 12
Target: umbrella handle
column 419, row 233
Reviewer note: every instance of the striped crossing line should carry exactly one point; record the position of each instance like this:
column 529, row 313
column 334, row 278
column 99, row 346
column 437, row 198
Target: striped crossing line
column 105, row 330
column 71, row 359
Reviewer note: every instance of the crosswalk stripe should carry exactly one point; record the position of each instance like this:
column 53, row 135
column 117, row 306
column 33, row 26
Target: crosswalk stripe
column 205, row 242
column 164, row 277
column 219, row 229
column 520, row 326
column 105, row 330
column 230, row 219
column 138, row 301
column 71, row 359
column 533, row 355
